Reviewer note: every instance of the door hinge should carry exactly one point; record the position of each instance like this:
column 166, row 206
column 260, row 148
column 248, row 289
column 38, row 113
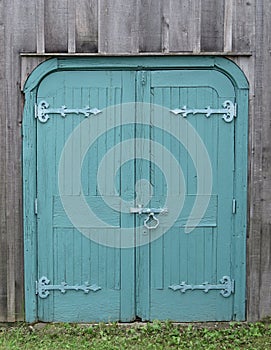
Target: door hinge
column 43, row 287
column 226, row 287
column 234, row 206
column 228, row 111
column 36, row 206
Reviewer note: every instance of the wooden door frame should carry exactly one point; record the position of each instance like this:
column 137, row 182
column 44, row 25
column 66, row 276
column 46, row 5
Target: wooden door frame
column 225, row 66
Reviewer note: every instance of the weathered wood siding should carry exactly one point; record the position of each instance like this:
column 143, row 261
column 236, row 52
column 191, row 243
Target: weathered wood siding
column 234, row 28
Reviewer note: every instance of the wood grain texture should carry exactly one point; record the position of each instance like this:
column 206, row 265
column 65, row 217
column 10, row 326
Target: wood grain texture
column 256, row 256
column 197, row 26
column 150, row 25
column 29, row 192
column 228, row 14
column 212, row 28
column 243, row 30
column 86, row 26
column 15, row 24
column 23, row 20
column 4, row 304
column 115, row 25
column 40, row 26
column 3, row 236
column 181, row 24
column 255, row 234
column 265, row 295
column 265, row 291
column 254, row 228
column 56, row 25
column 71, row 26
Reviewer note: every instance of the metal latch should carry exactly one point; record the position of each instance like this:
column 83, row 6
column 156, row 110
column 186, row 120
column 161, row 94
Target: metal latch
column 151, row 222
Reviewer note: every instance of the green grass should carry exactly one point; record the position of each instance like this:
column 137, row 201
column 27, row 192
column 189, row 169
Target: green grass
column 156, row 335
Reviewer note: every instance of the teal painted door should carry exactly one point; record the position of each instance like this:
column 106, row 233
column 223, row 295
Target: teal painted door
column 99, row 259
column 173, row 270
column 65, row 254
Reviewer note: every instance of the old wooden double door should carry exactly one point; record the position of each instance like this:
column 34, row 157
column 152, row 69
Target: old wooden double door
column 136, row 196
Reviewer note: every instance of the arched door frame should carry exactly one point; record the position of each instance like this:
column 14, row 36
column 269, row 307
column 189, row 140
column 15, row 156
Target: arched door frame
column 227, row 67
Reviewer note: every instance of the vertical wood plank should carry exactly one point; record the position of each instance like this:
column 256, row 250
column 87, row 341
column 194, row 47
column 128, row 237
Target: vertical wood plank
column 127, row 256
column 10, row 173
column 150, row 24
column 247, row 64
column 165, row 25
column 115, row 25
column 25, row 39
column 228, row 13
column 240, row 193
column 212, row 25
column 265, row 61
column 19, row 22
column 3, row 238
column 56, row 26
column 244, row 25
column 256, row 176
column 265, row 292
column 40, row 26
column 71, row 26
column 86, row 25
column 197, row 26
column 135, row 29
column 29, row 192
column 181, row 25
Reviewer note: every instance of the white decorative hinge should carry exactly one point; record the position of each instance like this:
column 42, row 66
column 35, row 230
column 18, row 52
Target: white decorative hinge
column 225, row 285
column 43, row 287
column 229, row 111
column 42, row 111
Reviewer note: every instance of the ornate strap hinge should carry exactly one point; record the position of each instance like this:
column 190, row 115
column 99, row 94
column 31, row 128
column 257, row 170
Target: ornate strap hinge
column 226, row 287
column 43, row 287
column 42, row 111
column 229, row 111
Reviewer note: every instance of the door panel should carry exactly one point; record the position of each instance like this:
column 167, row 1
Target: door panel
column 204, row 254
column 154, row 160
column 64, row 253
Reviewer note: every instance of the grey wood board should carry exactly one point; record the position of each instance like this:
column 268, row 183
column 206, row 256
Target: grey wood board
column 212, row 25
column 3, row 236
column 243, row 24
column 17, row 37
column 24, row 25
column 86, row 26
column 71, row 26
column 40, row 26
column 56, row 25
column 115, row 25
column 265, row 62
column 150, row 25
column 181, row 25
column 255, row 234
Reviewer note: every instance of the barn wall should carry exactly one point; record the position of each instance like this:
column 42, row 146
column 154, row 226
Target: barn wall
column 238, row 29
